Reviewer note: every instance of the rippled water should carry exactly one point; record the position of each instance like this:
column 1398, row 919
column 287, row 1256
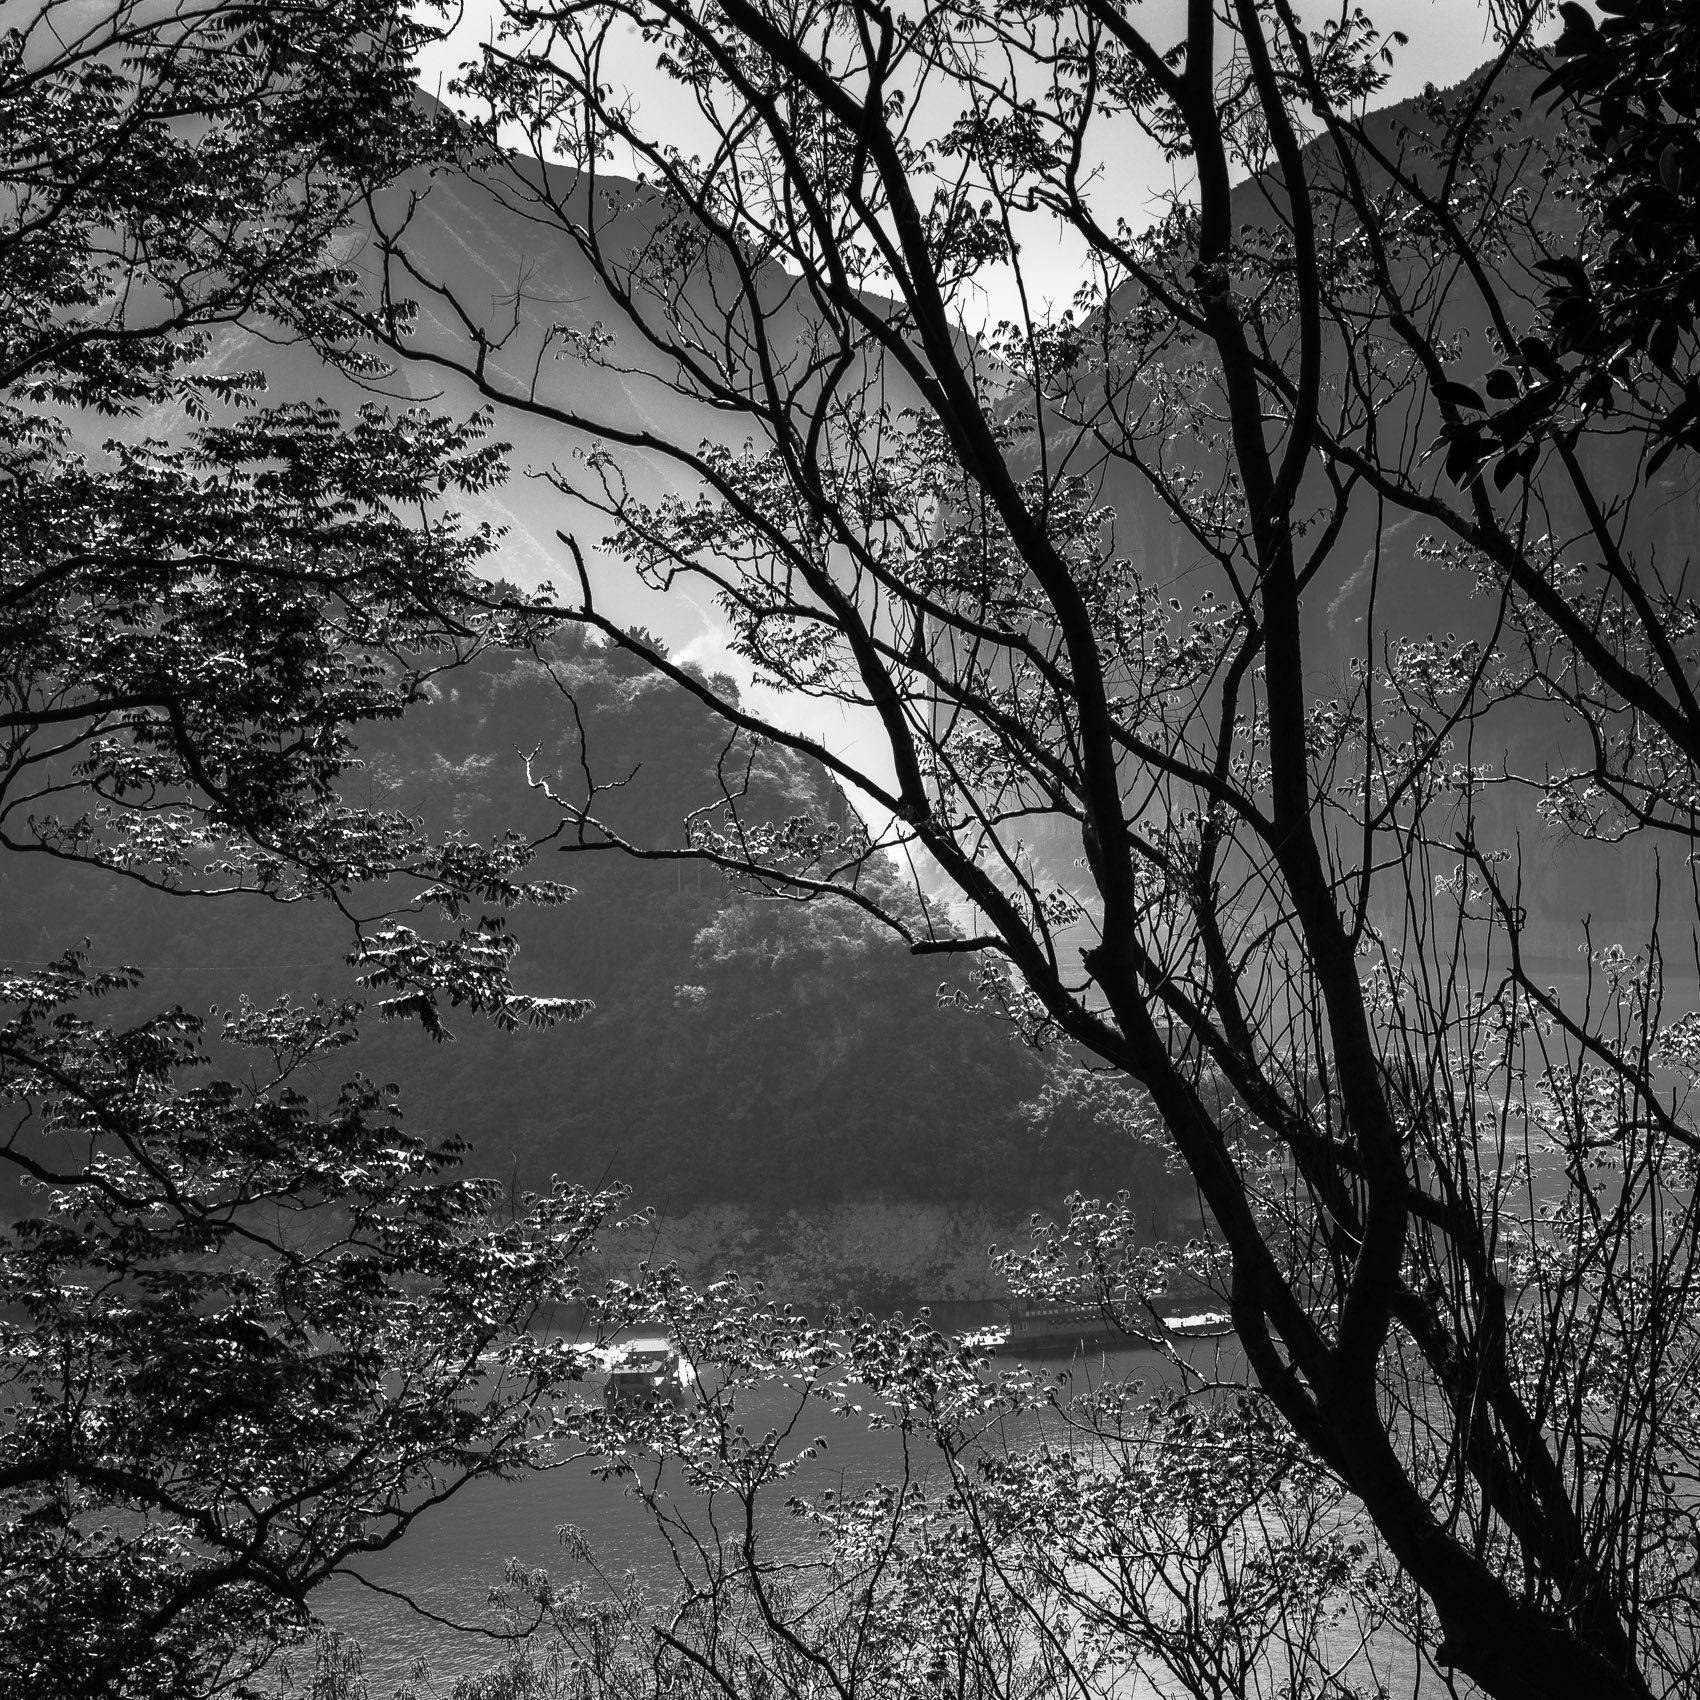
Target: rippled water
column 455, row 1553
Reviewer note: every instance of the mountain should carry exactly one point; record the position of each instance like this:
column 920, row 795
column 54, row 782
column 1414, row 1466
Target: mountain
column 483, row 234
column 1383, row 582
column 742, row 1050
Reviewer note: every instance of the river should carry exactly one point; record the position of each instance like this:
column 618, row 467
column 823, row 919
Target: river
column 454, row 1553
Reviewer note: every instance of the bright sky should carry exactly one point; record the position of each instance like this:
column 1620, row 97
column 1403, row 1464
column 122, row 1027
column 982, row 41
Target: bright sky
column 1447, row 40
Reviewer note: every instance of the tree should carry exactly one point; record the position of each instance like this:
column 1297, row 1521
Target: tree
column 249, row 1324
column 1155, row 580
column 1634, row 80
column 1019, row 1542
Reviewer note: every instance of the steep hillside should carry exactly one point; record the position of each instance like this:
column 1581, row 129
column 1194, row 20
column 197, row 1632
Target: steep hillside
column 488, row 238
column 741, row 1049
column 1382, row 580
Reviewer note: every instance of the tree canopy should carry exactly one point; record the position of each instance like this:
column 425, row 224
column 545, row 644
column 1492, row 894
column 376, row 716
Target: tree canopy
column 1284, row 653
column 249, row 1324
column 1218, row 656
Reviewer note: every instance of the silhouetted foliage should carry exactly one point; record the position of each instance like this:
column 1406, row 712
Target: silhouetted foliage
column 248, row 1324
column 1217, row 585
column 1634, row 289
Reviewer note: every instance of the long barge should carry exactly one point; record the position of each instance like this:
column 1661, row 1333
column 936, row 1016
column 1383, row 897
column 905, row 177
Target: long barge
column 1042, row 1326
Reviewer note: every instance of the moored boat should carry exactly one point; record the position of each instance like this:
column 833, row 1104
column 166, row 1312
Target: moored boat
column 1043, row 1326
column 641, row 1370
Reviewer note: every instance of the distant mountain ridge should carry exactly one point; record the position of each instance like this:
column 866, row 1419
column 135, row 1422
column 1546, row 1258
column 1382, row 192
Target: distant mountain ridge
column 1416, row 593
column 740, row 1050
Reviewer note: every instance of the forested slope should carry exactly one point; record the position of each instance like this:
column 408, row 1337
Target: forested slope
column 1388, row 583
column 741, row 1049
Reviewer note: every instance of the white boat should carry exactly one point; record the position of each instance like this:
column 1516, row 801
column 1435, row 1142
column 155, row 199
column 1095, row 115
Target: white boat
column 640, row 1370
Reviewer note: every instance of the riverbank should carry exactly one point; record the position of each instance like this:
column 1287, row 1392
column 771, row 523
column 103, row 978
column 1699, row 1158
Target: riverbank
column 878, row 1255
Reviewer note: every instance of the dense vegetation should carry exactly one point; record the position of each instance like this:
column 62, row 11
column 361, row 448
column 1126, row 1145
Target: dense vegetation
column 250, row 1323
column 1155, row 583
column 779, row 1056
column 1307, row 571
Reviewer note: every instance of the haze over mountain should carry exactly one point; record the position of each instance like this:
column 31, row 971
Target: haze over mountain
column 485, row 239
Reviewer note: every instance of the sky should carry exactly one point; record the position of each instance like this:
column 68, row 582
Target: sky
column 1447, row 40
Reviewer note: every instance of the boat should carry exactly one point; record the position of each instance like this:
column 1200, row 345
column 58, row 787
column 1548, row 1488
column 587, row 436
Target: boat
column 1042, row 1326
column 1202, row 1325
column 1059, row 1325
column 644, row 1370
